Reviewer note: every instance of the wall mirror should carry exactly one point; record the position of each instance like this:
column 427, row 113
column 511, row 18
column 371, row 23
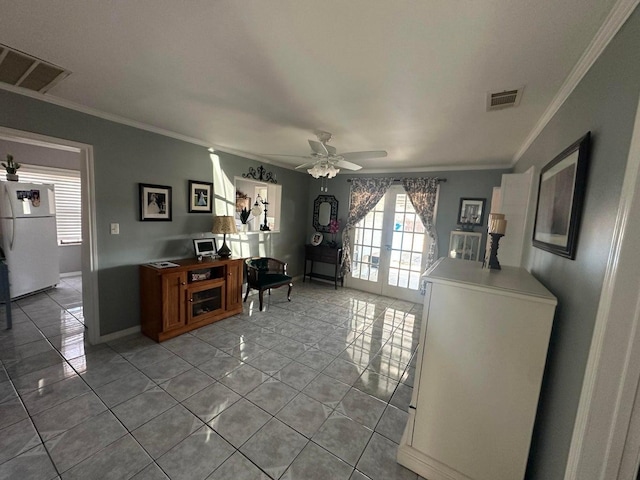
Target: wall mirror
column 325, row 209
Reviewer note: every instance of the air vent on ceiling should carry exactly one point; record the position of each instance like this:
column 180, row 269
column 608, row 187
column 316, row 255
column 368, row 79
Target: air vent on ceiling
column 22, row 70
column 503, row 99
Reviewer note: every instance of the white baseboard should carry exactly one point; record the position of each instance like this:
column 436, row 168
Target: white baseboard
column 70, row 274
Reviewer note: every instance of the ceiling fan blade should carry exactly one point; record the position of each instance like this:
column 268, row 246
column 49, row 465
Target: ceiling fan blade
column 347, row 165
column 364, row 155
column 282, row 155
column 306, row 165
column 318, row 148
column 331, row 150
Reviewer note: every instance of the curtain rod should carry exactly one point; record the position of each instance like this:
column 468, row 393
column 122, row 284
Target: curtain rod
column 396, row 180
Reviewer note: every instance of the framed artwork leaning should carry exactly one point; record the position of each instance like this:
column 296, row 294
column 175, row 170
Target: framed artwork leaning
column 560, row 200
column 200, row 200
column 155, row 202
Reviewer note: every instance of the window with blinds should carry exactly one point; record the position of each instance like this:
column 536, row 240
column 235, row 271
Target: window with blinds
column 68, row 201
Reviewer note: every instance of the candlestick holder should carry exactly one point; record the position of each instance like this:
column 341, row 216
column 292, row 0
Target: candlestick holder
column 493, row 255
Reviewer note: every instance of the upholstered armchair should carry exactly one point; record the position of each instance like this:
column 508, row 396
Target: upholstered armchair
column 264, row 273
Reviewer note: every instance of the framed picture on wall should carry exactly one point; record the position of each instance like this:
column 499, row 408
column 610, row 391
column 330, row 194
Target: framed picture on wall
column 155, row 202
column 560, row 200
column 200, row 200
column 471, row 211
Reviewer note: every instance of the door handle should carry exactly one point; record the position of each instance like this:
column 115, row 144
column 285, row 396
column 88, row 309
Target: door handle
column 387, row 247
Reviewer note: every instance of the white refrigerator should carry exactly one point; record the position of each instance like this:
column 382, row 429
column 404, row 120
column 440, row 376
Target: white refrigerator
column 29, row 239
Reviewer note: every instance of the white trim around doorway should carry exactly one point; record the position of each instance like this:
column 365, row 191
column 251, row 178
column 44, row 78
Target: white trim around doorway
column 89, row 222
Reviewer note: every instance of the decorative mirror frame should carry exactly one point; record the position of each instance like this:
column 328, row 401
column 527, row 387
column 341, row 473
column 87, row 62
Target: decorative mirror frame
column 333, row 201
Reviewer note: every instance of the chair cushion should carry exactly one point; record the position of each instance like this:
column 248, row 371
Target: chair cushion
column 260, row 263
column 266, row 279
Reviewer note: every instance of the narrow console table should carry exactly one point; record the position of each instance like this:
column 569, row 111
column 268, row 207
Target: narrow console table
column 322, row 254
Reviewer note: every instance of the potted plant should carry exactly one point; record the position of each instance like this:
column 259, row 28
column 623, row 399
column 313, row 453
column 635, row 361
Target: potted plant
column 11, row 167
column 334, row 228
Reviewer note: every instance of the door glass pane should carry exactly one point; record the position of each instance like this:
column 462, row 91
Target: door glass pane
column 367, row 243
column 407, row 247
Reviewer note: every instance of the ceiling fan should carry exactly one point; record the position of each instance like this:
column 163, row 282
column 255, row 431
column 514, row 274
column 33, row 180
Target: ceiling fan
column 327, row 162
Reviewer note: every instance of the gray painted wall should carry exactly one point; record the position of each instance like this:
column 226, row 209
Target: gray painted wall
column 605, row 103
column 125, row 156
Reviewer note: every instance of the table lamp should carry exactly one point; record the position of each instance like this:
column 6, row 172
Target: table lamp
column 224, row 224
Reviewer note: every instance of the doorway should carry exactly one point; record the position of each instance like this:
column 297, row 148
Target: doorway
column 389, row 249
column 89, row 252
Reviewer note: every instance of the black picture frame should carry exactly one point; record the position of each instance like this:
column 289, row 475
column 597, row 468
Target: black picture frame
column 471, row 211
column 200, row 197
column 155, row 202
column 561, row 192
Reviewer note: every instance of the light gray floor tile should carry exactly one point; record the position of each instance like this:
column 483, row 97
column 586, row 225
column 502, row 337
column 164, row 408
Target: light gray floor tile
column 290, row 348
column 80, row 442
column 16, row 439
column 239, row 422
column 186, row 384
column 41, row 378
column 20, row 352
column 191, row 349
column 66, row 415
column 304, row 414
column 245, row 351
column 32, row 464
column 197, row 456
column 12, row 411
column 100, row 371
column 162, row 371
column 326, row 390
column 121, row 459
column 124, row 388
column 274, row 447
column 142, row 408
column 356, row 475
column 31, row 364
column 333, row 345
column 379, row 461
column 54, row 394
column 392, row 423
column 343, row 437
column 220, row 365
column 270, row 362
column 361, row 407
column 296, row 375
column 272, row 395
column 244, row 379
column 154, row 354
column 238, row 467
column 315, row 463
column 344, row 371
column 224, row 340
column 7, row 392
column 377, row 385
column 402, row 397
column 211, row 401
column 151, row 472
column 166, row 430
column 316, row 359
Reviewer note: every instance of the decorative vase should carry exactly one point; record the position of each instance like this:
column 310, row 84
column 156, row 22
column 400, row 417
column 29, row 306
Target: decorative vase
column 12, row 177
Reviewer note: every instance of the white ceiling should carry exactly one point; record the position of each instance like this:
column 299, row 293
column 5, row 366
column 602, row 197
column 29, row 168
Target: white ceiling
column 258, row 76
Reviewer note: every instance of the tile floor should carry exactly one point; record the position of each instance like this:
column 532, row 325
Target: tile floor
column 317, row 388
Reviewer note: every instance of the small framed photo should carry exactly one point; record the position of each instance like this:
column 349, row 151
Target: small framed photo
column 560, row 198
column 205, row 247
column 155, row 202
column 200, row 200
column 471, row 211
column 316, row 239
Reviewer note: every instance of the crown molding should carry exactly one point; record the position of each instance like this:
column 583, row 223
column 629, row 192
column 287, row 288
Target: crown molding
column 614, row 21
column 435, row 168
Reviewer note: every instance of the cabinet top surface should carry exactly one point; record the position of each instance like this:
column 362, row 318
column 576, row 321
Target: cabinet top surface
column 186, row 263
column 515, row 280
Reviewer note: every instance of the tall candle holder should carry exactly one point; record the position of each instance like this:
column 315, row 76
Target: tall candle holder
column 497, row 229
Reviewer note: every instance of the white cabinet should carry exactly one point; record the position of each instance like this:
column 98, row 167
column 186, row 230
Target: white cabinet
column 465, row 245
column 481, row 358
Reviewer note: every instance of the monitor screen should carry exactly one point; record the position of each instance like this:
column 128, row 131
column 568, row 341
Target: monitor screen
column 205, row 246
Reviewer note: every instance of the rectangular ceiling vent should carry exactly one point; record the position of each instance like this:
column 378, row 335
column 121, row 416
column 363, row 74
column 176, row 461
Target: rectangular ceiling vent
column 22, row 70
column 503, row 99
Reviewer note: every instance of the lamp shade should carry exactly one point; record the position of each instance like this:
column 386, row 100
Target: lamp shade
column 224, row 224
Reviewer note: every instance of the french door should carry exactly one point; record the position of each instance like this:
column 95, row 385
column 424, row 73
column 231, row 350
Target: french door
column 389, row 249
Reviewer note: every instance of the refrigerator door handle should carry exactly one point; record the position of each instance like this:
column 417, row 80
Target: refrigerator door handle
column 13, row 218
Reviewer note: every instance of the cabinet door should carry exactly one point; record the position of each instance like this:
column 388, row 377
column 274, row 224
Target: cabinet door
column 206, row 299
column 173, row 298
column 234, row 284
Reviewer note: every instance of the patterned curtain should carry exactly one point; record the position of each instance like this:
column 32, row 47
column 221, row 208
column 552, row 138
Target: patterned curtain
column 423, row 193
column 365, row 194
